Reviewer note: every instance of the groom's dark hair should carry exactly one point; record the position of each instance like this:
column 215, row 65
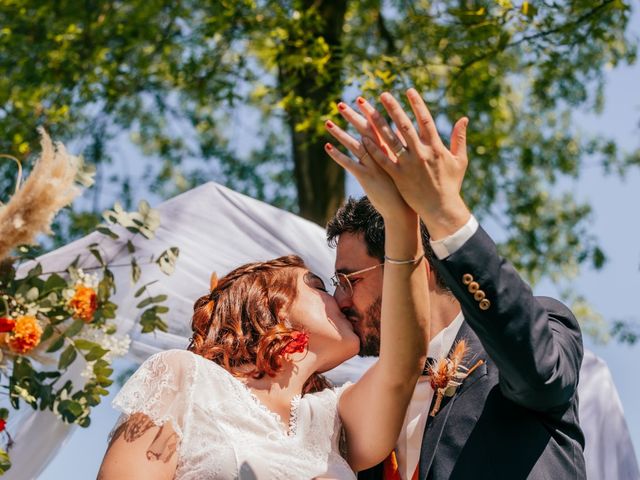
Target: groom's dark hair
column 359, row 217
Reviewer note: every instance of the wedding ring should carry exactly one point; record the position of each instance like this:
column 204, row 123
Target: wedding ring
column 365, row 156
column 400, row 151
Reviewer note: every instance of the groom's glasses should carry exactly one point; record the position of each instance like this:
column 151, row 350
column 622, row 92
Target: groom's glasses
column 343, row 285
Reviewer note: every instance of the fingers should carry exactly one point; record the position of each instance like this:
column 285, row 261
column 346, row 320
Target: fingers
column 353, row 145
column 341, row 159
column 384, row 133
column 401, row 120
column 380, row 157
column 426, row 125
column 459, row 137
column 354, row 118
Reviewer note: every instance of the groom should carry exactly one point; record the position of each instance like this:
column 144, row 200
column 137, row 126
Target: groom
column 515, row 415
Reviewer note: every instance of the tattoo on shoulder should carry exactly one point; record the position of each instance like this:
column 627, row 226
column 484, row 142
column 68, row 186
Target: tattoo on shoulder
column 163, row 446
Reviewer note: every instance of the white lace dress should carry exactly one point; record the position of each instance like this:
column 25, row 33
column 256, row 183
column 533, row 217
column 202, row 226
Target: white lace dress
column 224, row 430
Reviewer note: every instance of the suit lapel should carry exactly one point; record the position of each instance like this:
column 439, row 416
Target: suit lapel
column 435, row 425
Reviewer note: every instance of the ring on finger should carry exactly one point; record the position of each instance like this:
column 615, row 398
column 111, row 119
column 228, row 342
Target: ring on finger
column 400, row 151
column 364, row 157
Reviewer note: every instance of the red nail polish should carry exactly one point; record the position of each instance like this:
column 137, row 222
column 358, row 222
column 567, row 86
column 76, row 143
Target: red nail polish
column 328, row 146
column 360, row 100
column 329, row 124
column 342, row 107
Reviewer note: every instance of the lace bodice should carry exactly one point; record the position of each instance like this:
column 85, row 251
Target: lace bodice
column 224, row 430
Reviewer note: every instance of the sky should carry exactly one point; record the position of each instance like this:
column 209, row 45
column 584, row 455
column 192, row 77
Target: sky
column 613, row 290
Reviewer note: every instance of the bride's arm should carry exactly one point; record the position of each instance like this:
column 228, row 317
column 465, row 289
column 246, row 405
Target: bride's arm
column 373, row 409
column 140, row 450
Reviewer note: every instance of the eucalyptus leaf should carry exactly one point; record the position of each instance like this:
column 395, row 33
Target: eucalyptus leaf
column 56, row 344
column 67, row 357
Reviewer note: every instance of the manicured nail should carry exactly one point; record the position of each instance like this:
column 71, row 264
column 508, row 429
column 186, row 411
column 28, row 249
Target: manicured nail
column 342, row 107
column 360, row 100
column 329, row 124
column 328, row 147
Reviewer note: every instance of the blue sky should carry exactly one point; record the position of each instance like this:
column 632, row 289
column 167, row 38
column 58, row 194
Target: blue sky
column 612, row 290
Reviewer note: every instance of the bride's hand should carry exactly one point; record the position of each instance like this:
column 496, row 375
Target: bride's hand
column 376, row 183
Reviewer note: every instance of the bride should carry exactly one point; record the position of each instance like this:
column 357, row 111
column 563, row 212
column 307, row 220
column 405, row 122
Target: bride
column 246, row 399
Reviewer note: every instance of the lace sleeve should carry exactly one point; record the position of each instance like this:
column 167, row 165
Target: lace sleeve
column 162, row 389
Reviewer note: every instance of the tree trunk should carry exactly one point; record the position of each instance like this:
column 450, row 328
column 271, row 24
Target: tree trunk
column 319, row 180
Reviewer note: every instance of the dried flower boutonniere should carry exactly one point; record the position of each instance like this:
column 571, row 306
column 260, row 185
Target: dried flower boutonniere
column 447, row 374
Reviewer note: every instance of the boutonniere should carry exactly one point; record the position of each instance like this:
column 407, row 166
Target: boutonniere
column 447, row 374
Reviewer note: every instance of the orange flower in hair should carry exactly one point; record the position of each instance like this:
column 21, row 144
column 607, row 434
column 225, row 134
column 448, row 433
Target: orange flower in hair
column 298, row 343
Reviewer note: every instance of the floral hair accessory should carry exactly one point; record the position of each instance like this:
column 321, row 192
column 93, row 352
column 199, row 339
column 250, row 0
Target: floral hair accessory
column 297, row 344
column 447, row 374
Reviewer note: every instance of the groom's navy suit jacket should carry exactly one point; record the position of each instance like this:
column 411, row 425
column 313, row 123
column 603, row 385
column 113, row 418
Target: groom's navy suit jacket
column 516, row 416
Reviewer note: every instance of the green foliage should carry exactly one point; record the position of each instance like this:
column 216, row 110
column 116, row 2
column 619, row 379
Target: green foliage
column 67, row 316
column 237, row 91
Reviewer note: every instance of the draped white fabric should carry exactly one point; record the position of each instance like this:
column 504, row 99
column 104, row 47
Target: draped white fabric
column 217, row 229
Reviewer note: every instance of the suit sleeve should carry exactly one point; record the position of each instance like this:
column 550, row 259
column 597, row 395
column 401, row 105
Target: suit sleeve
column 534, row 341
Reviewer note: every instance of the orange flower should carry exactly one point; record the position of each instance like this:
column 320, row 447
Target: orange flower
column 84, row 303
column 25, row 336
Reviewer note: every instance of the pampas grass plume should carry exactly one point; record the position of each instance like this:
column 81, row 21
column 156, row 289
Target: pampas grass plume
column 50, row 187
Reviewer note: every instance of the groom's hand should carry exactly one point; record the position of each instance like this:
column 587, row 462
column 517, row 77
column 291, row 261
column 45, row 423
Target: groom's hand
column 427, row 174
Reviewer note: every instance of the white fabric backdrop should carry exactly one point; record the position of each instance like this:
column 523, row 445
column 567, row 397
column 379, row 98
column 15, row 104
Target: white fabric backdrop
column 218, row 229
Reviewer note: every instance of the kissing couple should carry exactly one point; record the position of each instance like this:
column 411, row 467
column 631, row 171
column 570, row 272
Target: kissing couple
column 475, row 377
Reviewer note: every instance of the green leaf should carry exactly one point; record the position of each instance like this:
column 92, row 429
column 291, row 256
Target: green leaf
column 54, row 282
column 141, row 290
column 83, row 344
column 107, row 231
column 46, row 333
column 148, row 301
column 56, row 344
column 74, row 328
column 95, row 353
column 35, row 271
column 67, row 357
column 135, row 271
column 96, row 253
column 131, row 247
column 5, row 461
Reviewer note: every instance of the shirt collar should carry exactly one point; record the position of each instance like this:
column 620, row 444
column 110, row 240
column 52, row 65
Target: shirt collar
column 440, row 345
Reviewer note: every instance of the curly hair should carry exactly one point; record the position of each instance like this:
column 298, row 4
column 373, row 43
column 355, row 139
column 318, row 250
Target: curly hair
column 243, row 324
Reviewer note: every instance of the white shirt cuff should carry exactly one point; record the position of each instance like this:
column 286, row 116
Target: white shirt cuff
column 449, row 245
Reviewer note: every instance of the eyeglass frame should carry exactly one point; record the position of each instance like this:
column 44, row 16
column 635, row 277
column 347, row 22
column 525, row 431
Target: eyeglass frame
column 335, row 279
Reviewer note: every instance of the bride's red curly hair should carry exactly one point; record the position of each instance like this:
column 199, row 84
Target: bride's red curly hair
column 243, row 324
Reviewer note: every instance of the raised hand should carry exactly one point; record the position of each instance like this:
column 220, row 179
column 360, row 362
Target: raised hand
column 376, row 183
column 427, row 174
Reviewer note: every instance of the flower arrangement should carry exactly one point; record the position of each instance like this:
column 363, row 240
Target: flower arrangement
column 448, row 373
column 51, row 320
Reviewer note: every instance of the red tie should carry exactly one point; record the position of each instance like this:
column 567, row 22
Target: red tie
column 390, row 468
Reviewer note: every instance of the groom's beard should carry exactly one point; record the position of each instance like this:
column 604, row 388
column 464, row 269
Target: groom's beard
column 368, row 328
